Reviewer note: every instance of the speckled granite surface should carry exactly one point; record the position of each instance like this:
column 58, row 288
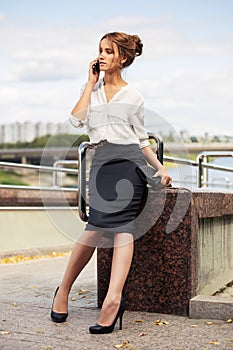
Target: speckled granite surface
column 163, row 276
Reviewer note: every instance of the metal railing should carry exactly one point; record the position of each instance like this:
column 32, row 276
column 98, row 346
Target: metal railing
column 59, row 164
column 82, row 205
column 159, row 146
column 201, row 163
column 203, row 166
column 82, row 195
column 40, row 168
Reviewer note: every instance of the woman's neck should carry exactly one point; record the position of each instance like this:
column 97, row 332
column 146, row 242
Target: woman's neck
column 114, row 78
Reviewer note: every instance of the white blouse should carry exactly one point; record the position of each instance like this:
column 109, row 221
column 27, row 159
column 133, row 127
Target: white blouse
column 120, row 121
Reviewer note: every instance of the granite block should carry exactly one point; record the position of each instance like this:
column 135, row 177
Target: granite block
column 164, row 272
column 162, row 275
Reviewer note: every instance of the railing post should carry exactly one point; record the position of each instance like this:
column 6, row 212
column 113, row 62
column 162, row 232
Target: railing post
column 199, row 170
column 158, row 139
column 82, row 180
column 202, row 170
column 55, row 174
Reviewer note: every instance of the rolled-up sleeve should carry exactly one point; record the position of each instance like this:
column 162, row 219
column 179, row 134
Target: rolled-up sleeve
column 76, row 122
column 137, row 120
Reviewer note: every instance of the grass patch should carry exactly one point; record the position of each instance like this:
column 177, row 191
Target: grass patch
column 11, row 178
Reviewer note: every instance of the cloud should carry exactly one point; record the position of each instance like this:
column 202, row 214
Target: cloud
column 55, row 54
column 40, row 101
column 191, row 101
column 40, row 55
column 188, row 79
column 2, row 17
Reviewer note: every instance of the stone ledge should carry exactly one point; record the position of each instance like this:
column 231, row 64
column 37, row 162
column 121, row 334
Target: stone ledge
column 37, row 198
column 211, row 307
column 37, row 252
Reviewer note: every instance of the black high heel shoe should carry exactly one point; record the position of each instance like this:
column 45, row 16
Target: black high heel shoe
column 56, row 316
column 98, row 329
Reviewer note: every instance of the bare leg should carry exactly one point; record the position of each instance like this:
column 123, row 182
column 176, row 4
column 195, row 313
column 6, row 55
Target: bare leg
column 121, row 262
column 80, row 256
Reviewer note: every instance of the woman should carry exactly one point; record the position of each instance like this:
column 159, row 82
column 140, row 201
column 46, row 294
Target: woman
column 113, row 112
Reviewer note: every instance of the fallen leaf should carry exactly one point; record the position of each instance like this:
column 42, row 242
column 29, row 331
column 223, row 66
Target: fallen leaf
column 21, row 258
column 73, row 299
column 4, row 332
column 208, row 323
column 14, row 304
column 138, row 321
column 83, row 291
column 229, row 321
column 214, row 342
column 48, row 347
column 40, row 331
column 126, row 345
column 194, row 326
column 161, row 323
column 120, row 346
column 142, row 334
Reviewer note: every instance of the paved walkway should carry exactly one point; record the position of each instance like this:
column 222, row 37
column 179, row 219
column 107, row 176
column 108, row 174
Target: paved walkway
column 25, row 299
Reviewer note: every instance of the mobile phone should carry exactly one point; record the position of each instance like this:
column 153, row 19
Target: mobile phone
column 96, row 68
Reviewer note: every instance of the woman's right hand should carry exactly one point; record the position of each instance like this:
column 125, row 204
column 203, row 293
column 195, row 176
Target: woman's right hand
column 93, row 78
column 80, row 109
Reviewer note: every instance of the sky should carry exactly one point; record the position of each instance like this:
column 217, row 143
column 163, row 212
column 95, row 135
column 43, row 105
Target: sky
column 185, row 73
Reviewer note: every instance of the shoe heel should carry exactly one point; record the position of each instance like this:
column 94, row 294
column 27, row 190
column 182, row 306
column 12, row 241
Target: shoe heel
column 98, row 329
column 56, row 316
column 120, row 322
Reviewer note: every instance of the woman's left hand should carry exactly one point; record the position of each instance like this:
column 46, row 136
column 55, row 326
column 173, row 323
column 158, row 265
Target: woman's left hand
column 166, row 179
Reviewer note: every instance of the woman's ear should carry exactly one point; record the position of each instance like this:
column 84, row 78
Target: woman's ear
column 123, row 60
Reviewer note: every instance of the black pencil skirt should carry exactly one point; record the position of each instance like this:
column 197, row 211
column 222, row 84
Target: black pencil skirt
column 115, row 188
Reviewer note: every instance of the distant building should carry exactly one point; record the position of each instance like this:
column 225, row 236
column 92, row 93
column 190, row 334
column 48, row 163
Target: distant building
column 41, row 129
column 28, row 131
column 7, row 133
column 52, row 128
column 24, row 132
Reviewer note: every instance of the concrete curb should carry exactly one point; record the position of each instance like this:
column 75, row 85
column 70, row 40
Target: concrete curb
column 211, row 307
column 37, row 251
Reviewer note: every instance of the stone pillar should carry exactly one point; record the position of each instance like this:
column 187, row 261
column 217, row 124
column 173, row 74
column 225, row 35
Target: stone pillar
column 163, row 275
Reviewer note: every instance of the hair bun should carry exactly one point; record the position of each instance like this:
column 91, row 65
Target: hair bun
column 138, row 43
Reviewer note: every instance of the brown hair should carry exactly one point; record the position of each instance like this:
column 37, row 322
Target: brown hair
column 129, row 46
